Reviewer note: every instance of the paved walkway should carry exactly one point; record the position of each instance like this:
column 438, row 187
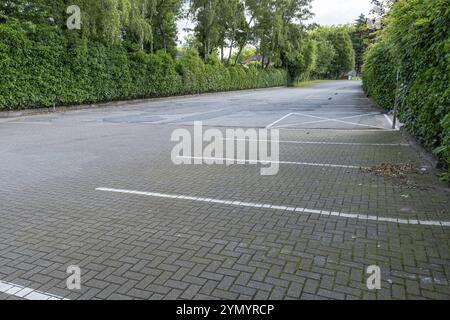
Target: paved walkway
column 97, row 189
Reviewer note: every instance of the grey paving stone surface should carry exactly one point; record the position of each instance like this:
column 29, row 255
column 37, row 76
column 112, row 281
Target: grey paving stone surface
column 137, row 247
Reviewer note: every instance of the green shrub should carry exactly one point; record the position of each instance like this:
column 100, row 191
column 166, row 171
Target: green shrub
column 416, row 41
column 41, row 66
column 444, row 149
column 379, row 75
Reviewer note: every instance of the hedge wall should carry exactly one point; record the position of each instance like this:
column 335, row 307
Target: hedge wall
column 379, row 75
column 416, row 41
column 40, row 68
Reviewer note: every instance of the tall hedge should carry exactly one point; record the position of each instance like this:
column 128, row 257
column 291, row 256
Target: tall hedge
column 379, row 75
column 416, row 41
column 42, row 66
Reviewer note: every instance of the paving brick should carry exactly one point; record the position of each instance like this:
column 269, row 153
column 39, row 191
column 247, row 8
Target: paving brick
column 138, row 247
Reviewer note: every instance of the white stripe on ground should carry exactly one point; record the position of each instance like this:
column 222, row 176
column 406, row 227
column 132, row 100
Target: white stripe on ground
column 265, row 162
column 279, row 120
column 391, row 122
column 283, row 208
column 345, row 118
column 335, row 129
column 26, row 293
column 338, row 121
column 328, row 143
column 30, row 122
column 299, row 124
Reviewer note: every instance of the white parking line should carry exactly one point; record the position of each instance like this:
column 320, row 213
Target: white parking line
column 30, row 122
column 344, row 122
column 327, row 143
column 333, row 120
column 397, row 128
column 279, row 120
column 323, row 119
column 26, row 293
column 265, row 162
column 299, row 210
column 335, row 129
column 327, row 119
column 389, row 120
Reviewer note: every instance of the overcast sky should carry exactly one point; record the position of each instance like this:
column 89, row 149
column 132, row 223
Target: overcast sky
column 327, row 12
column 333, row 12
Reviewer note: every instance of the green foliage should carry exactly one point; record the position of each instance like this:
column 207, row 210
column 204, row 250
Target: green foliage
column 416, row 40
column 246, row 53
column 271, row 25
column 360, row 36
column 301, row 62
column 148, row 25
column 444, row 149
column 379, row 75
column 45, row 68
column 344, row 59
column 325, row 54
column 335, row 54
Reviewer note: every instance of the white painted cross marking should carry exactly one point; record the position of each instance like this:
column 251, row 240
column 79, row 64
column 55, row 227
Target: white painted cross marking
column 323, row 119
column 279, row 120
column 339, row 120
column 327, row 119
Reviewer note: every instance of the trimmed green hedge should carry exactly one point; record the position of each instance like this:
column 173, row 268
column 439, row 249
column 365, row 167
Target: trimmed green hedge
column 42, row 67
column 416, row 41
column 379, row 75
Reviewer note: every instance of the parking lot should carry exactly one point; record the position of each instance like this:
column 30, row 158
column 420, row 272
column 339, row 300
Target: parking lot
column 97, row 189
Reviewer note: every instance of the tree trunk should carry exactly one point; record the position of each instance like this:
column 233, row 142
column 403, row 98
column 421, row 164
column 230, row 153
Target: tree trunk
column 163, row 34
column 268, row 63
column 241, row 47
column 238, row 55
column 231, row 52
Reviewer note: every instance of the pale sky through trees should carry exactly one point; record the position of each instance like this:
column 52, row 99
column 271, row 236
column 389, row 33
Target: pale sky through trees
column 327, row 12
column 334, row 12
